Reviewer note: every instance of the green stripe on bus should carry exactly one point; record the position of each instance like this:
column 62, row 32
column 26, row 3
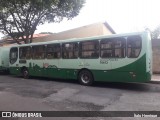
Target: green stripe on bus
column 134, row 72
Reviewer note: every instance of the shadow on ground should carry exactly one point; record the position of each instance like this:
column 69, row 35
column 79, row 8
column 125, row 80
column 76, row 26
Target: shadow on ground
column 144, row 87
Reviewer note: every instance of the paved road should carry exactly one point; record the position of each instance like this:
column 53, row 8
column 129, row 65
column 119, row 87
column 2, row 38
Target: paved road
column 41, row 94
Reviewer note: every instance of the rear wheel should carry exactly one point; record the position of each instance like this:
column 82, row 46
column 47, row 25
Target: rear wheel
column 25, row 73
column 85, row 77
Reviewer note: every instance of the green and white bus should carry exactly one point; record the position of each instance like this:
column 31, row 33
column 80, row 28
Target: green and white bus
column 4, row 59
column 111, row 58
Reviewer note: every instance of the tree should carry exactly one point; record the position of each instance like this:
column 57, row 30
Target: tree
column 19, row 18
column 155, row 33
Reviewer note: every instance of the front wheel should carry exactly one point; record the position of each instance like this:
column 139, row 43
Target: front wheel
column 85, row 78
column 25, row 73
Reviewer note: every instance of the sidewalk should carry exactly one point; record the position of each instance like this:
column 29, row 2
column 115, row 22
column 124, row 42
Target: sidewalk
column 155, row 78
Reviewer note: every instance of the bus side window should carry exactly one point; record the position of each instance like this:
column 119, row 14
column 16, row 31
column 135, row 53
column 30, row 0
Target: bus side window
column 113, row 47
column 70, row 50
column 13, row 55
column 38, row 52
column 53, row 51
column 25, row 52
column 106, row 48
column 89, row 49
column 105, row 55
column 134, row 44
column 95, row 54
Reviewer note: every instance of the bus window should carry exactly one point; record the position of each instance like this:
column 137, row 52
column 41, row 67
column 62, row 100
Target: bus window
column 119, row 48
column 53, row 51
column 25, row 52
column 70, row 50
column 113, row 48
column 89, row 49
column 133, row 46
column 38, row 52
column 13, row 55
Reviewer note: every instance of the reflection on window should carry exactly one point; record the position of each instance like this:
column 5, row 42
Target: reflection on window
column 25, row 52
column 38, row 52
column 106, row 45
column 70, row 50
column 134, row 46
column 113, row 48
column 89, row 49
column 13, row 55
column 53, row 51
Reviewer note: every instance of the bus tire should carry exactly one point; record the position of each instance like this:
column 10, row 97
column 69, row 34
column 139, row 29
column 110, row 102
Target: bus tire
column 25, row 73
column 85, row 77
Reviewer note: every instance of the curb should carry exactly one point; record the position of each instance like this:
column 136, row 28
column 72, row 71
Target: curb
column 155, row 81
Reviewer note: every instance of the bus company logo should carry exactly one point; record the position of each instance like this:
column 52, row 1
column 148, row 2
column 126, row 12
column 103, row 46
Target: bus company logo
column 103, row 61
column 6, row 114
column 21, row 114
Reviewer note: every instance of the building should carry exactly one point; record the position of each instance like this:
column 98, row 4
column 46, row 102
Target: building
column 91, row 30
column 81, row 32
column 156, row 55
column 8, row 41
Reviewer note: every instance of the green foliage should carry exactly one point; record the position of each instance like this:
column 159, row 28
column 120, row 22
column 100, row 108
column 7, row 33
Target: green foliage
column 155, row 33
column 19, row 18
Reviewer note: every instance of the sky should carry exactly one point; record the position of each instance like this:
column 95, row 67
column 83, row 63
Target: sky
column 122, row 15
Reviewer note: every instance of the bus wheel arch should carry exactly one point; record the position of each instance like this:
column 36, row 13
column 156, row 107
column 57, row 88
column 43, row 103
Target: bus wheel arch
column 85, row 77
column 25, row 72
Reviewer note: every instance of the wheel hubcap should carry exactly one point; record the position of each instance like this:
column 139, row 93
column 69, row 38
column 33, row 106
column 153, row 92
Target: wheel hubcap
column 25, row 73
column 85, row 78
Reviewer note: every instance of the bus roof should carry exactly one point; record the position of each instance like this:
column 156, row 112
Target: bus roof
column 83, row 39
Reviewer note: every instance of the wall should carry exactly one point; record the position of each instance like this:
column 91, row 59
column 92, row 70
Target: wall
column 85, row 31
column 156, row 55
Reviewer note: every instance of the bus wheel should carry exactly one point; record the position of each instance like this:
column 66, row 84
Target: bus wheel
column 85, row 77
column 25, row 73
